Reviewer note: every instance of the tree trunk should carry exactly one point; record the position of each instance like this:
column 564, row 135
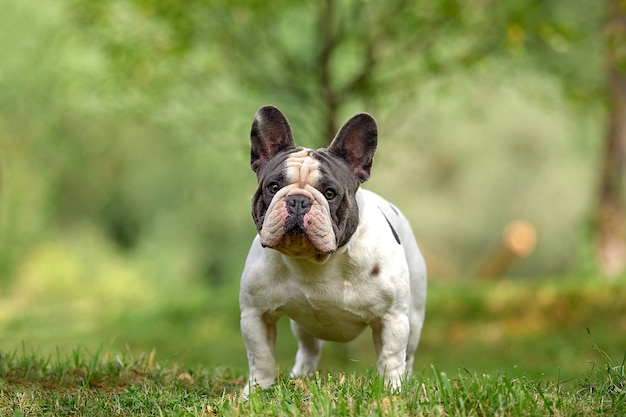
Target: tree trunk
column 329, row 40
column 611, row 232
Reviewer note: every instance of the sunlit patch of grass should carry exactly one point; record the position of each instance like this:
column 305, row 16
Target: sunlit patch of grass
column 103, row 383
column 605, row 383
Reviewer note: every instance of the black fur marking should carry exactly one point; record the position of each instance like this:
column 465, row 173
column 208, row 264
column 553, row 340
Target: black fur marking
column 337, row 174
column 395, row 234
column 272, row 171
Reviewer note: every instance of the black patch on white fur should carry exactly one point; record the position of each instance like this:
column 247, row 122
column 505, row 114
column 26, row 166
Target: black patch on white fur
column 395, row 234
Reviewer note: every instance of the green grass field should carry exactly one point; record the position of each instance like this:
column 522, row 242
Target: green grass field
column 541, row 347
column 104, row 385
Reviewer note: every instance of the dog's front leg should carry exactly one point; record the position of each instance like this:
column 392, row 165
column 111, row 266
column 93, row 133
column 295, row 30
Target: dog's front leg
column 391, row 334
column 259, row 334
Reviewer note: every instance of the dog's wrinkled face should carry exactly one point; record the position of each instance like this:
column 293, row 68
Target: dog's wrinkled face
column 305, row 205
column 301, row 209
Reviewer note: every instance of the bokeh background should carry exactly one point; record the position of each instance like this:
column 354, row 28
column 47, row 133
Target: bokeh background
column 125, row 181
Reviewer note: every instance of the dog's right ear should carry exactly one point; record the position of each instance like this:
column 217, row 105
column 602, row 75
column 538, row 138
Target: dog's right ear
column 269, row 135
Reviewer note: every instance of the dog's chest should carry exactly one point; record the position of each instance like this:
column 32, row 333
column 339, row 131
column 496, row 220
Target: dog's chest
column 336, row 310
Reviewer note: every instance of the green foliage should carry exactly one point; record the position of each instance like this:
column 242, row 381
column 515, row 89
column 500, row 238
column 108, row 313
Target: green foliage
column 128, row 121
column 335, row 56
column 144, row 164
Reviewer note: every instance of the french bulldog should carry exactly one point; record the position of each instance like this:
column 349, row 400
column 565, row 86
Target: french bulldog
column 330, row 255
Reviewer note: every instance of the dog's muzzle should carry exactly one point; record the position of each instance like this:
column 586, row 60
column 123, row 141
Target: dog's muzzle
column 297, row 207
column 299, row 226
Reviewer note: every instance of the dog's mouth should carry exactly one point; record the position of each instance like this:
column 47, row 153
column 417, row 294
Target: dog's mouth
column 299, row 227
column 296, row 244
column 294, row 226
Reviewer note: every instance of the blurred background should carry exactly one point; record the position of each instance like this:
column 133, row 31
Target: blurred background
column 125, row 181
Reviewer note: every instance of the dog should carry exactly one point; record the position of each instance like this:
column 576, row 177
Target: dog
column 330, row 255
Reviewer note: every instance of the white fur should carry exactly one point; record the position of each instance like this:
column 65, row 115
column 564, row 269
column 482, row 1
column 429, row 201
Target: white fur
column 371, row 281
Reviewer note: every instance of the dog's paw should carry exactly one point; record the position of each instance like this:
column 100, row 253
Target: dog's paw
column 301, row 370
column 253, row 385
column 393, row 382
column 245, row 393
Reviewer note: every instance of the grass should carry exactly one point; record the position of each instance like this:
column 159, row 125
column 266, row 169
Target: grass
column 513, row 347
column 535, row 328
column 104, row 384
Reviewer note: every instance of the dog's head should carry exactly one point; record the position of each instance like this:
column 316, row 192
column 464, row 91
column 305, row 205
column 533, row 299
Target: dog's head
column 305, row 204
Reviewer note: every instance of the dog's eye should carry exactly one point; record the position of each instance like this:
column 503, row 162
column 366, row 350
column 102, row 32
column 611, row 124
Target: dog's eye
column 329, row 193
column 273, row 187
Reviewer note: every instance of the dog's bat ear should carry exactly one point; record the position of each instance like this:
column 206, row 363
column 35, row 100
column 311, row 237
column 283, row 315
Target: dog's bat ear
column 356, row 143
column 269, row 135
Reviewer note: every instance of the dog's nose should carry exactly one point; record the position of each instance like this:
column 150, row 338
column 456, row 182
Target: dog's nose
column 298, row 204
column 297, row 207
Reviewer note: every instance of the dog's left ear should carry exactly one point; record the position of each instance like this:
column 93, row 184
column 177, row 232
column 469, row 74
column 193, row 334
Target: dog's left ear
column 269, row 135
column 356, row 143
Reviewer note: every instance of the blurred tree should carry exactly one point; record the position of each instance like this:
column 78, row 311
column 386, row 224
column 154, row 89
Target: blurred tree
column 328, row 58
column 324, row 57
column 611, row 228
column 355, row 51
